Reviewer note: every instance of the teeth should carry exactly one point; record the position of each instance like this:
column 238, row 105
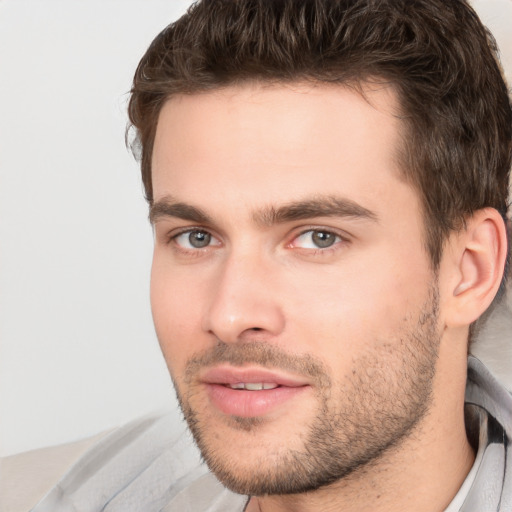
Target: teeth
column 253, row 386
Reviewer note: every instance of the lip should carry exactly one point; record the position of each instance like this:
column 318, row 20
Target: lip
column 250, row 404
column 226, row 374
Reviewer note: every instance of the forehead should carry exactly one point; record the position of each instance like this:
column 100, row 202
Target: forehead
column 275, row 143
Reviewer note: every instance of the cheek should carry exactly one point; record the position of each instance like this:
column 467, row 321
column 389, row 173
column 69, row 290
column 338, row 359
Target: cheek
column 175, row 308
column 342, row 311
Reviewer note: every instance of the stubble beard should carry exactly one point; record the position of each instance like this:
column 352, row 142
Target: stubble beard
column 371, row 411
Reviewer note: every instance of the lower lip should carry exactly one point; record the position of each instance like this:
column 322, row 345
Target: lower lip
column 250, row 404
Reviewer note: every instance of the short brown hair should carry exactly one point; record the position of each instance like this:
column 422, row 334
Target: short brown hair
column 437, row 55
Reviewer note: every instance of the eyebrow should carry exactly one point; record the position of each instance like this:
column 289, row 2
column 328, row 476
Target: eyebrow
column 324, row 206
column 168, row 207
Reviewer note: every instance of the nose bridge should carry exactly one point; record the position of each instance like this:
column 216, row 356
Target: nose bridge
column 243, row 299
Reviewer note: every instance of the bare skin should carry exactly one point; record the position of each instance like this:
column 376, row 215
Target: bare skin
column 342, row 296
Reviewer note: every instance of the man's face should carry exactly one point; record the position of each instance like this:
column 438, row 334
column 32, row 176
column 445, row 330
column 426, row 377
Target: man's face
column 292, row 294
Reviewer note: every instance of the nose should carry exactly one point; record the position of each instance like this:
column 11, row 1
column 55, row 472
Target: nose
column 244, row 301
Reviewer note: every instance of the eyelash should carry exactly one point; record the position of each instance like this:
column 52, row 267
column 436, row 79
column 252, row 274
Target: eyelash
column 172, row 239
column 339, row 239
column 321, row 251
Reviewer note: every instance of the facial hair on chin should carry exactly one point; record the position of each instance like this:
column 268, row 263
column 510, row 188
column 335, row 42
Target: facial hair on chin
column 371, row 410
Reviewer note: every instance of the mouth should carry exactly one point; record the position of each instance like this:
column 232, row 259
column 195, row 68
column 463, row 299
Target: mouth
column 253, row 386
column 251, row 392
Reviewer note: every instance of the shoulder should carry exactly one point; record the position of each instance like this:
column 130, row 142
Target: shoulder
column 27, row 477
column 139, row 466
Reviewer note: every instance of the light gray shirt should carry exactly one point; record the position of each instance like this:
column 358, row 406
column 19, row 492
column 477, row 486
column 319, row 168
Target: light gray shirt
column 143, row 467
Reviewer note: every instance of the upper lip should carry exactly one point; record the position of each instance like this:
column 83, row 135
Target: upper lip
column 226, row 374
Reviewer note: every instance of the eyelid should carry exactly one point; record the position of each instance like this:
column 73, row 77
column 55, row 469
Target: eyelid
column 172, row 236
column 173, row 232
column 343, row 237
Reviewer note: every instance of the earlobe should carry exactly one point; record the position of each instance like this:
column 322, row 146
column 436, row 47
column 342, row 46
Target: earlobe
column 482, row 249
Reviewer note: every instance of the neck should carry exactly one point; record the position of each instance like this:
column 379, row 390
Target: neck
column 386, row 486
column 422, row 473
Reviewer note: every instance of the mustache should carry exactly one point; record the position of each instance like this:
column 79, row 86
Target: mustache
column 261, row 354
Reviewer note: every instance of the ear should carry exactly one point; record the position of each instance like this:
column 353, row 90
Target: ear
column 477, row 262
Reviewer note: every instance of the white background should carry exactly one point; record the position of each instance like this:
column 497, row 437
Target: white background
column 77, row 349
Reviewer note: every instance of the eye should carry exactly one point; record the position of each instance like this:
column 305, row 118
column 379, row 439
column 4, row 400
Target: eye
column 195, row 239
column 316, row 239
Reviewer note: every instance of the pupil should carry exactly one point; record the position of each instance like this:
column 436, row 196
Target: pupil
column 199, row 239
column 323, row 239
